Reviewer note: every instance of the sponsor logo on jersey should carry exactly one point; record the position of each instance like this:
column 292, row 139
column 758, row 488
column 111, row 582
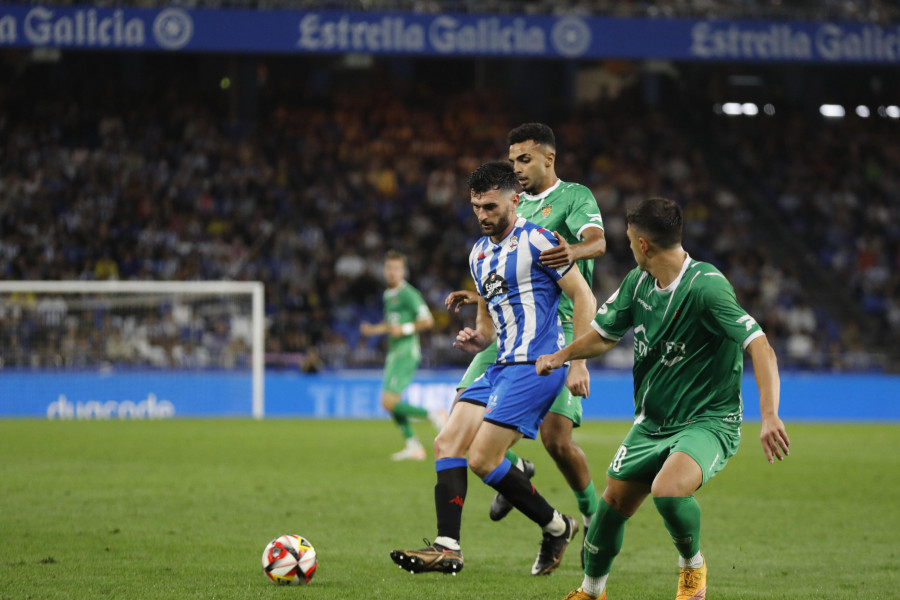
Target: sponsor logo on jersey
column 641, row 342
column 494, row 286
column 733, row 418
column 673, row 353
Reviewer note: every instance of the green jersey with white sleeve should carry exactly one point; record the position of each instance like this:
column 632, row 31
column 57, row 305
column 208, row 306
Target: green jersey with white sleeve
column 688, row 345
column 569, row 209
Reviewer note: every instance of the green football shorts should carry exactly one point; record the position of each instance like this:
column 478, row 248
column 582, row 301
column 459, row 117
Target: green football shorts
column 565, row 403
column 641, row 455
column 399, row 368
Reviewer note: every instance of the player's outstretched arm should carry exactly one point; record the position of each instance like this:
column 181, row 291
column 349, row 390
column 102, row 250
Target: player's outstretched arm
column 456, row 300
column 578, row 380
column 470, row 340
column 593, row 246
column 476, row 340
column 774, row 438
column 423, row 324
column 370, row 329
column 587, row 346
column 484, row 323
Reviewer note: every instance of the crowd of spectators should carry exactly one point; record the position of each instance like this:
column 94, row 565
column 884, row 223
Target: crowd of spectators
column 96, row 184
column 868, row 11
column 836, row 186
column 102, row 331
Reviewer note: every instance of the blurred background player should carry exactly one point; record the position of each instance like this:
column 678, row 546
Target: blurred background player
column 569, row 210
column 518, row 308
column 405, row 315
column 690, row 333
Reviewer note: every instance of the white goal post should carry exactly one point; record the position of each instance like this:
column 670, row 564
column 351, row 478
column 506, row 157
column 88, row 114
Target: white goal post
column 88, row 295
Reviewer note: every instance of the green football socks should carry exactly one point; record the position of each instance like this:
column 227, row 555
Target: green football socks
column 681, row 516
column 604, row 540
column 402, row 422
column 587, row 500
column 408, row 410
column 401, row 414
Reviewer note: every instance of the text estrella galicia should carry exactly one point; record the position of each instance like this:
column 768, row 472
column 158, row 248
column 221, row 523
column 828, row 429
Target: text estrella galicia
column 493, row 286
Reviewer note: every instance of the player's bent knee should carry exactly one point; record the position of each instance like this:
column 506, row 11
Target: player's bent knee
column 671, row 488
column 389, row 402
column 670, row 491
column 481, row 464
column 478, row 469
column 442, row 449
column 449, row 444
column 625, row 497
column 557, row 447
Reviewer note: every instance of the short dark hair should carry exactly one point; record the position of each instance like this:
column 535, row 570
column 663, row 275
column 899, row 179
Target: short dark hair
column 536, row 132
column 660, row 219
column 497, row 175
column 395, row 255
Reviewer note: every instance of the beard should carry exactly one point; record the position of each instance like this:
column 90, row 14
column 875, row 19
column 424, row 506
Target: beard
column 496, row 228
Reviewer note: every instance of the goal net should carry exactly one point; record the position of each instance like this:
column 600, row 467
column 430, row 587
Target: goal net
column 131, row 349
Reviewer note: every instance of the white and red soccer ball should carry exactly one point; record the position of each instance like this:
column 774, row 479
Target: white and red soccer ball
column 290, row 560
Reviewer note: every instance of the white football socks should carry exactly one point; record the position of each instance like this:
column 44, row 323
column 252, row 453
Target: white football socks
column 556, row 526
column 447, row 542
column 695, row 562
column 594, row 586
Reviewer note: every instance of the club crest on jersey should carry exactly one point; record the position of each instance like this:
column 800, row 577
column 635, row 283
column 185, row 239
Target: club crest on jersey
column 513, row 243
column 494, row 286
column 546, row 210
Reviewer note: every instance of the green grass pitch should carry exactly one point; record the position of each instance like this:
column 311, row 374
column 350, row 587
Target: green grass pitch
column 183, row 509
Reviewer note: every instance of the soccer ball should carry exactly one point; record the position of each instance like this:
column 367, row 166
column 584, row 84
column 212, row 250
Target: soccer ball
column 289, row 560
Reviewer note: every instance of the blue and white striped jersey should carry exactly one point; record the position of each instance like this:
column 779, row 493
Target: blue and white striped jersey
column 522, row 294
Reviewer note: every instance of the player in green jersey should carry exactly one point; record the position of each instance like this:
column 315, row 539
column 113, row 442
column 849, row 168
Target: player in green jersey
column 689, row 338
column 405, row 315
column 570, row 211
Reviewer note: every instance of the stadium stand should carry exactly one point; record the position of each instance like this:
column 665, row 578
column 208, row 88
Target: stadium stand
column 834, row 187
column 307, row 181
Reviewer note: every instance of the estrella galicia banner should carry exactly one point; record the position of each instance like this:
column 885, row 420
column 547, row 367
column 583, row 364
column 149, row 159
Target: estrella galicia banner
column 568, row 37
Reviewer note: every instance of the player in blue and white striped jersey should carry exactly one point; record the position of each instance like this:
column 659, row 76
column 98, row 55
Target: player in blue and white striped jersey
column 521, row 294
column 517, row 306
